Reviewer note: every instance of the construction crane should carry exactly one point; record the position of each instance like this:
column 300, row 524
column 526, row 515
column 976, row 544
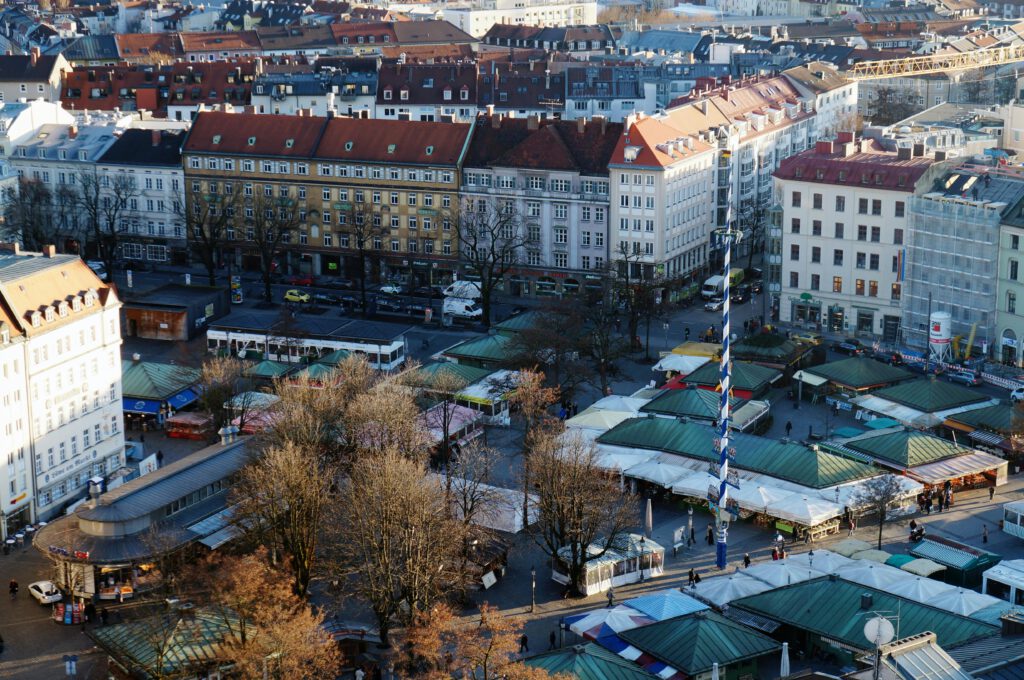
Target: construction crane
column 935, row 63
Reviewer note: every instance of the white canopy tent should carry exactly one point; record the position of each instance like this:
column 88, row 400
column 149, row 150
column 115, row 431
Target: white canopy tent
column 657, row 472
column 503, row 509
column 847, row 492
column 919, row 589
column 597, row 419
column 809, row 378
column 963, row 602
column 825, row 561
column 807, row 510
column 973, row 463
column 617, row 402
column 780, row 573
column 620, row 458
column 719, row 590
column 680, row 363
column 872, row 574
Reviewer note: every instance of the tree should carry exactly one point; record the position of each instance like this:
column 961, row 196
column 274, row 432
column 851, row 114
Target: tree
column 106, row 202
column 386, row 418
column 273, row 222
column 888, row 106
column 364, row 226
column 532, row 399
column 483, row 648
column 274, row 632
column 207, row 218
column 877, row 496
column 579, row 507
column 639, row 290
column 394, row 538
column 491, row 238
column 558, row 341
column 28, row 214
column 222, row 382
column 439, row 395
column 471, row 496
column 604, row 346
column 283, row 495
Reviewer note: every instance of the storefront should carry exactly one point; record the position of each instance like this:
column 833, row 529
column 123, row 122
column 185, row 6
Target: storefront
column 806, row 311
column 1009, row 344
column 836, row 319
column 865, row 321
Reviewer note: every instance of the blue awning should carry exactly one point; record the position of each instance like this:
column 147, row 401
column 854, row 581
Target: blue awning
column 147, row 406
column 183, row 398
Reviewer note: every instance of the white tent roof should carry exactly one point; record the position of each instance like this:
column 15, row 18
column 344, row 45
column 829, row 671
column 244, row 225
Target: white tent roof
column 616, row 402
column 825, row 561
column 952, row 468
column 919, row 589
column 756, row 497
column 849, row 546
column 620, row 457
column 782, row 573
column 872, row 555
column 657, row 472
column 847, row 491
column 807, row 510
column 503, row 510
column 889, row 409
column 809, row 378
column 1010, row 572
column 694, row 484
column 597, row 419
column 963, row 602
column 491, row 388
column 719, row 590
column 872, row 574
column 680, row 363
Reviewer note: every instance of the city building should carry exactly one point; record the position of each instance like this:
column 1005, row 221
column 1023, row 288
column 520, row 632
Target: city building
column 219, row 45
column 553, row 174
column 477, row 16
column 60, row 340
column 31, row 76
column 580, row 40
column 384, row 187
column 426, row 92
column 834, row 97
column 22, row 120
column 1010, row 288
column 521, row 89
column 610, row 91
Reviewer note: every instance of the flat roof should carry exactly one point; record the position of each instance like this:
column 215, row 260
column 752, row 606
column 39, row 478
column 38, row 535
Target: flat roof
column 311, row 325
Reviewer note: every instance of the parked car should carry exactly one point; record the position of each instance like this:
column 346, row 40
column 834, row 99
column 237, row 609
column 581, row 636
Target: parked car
column 391, row 289
column 741, row 294
column 932, row 369
column 296, row 296
column 756, row 287
column 887, row 357
column 431, row 292
column 849, row 346
column 301, row 280
column 338, row 283
column 968, row 378
column 714, row 305
column 326, row 299
column 386, row 305
column 1017, row 394
column 45, row 592
column 807, row 337
column 417, row 308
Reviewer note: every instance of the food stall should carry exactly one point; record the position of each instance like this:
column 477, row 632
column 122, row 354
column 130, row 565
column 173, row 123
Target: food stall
column 189, row 425
column 620, row 564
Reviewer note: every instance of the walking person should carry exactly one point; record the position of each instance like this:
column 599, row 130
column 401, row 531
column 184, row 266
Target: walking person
column 552, row 639
column 991, row 493
column 104, row 616
column 711, row 535
column 611, row 598
column 746, row 560
column 789, row 427
column 984, row 534
column 690, row 577
column 853, row 526
column 524, row 644
column 13, row 588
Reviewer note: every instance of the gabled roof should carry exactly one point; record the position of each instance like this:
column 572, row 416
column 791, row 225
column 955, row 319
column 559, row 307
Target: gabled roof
column 860, row 372
column 818, row 77
column 580, row 146
column 426, row 374
column 32, row 282
column 219, row 41
column 930, row 395
column 691, row 403
column 392, row 141
column 427, row 84
column 430, row 32
column 295, row 37
column 908, row 448
column 132, row 46
column 137, row 147
column 152, row 380
column 270, row 135
column 364, row 33
column 646, row 140
column 92, row 47
column 694, row 643
column 745, row 376
column 267, row 369
column 855, row 163
column 831, row 607
column 491, row 349
column 588, row 662
column 1001, row 418
column 26, row 68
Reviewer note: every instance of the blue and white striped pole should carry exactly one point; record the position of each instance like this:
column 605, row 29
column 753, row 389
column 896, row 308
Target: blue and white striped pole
column 724, row 412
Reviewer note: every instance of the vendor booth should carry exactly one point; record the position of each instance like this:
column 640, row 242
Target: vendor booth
column 629, row 558
column 1005, row 581
column 189, row 425
column 1013, row 518
column 489, row 396
column 964, row 563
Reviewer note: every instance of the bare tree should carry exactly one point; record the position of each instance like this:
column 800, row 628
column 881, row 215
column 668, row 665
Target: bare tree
column 472, row 497
column 274, row 221
column 222, row 386
column 394, row 538
column 69, row 576
column 386, row 418
column 67, row 221
column 491, row 239
column 364, row 227
column 639, row 290
column 28, row 214
column 579, row 507
column 532, row 399
column 107, row 201
column 439, row 399
column 878, row 496
column 207, row 217
column 558, row 341
column 604, row 345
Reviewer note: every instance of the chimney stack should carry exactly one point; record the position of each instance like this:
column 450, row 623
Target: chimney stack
column 824, row 147
column 156, row 136
column 10, row 248
column 34, row 54
column 72, row 131
column 533, row 122
column 903, row 153
column 581, row 125
column 49, row 251
column 918, row 149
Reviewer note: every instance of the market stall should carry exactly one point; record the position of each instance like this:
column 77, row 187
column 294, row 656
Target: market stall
column 629, row 558
column 189, row 425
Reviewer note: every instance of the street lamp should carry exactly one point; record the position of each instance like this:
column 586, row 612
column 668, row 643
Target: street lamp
column 689, row 524
column 533, row 589
column 810, row 563
column 643, row 547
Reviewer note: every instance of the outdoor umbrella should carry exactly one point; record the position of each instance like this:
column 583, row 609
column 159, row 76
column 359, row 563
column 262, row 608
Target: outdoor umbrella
column 963, row 602
column 616, row 402
column 848, row 546
column 666, row 604
column 872, row 574
column 781, row 573
column 719, row 590
column 922, row 567
column 597, row 419
column 899, row 560
column 806, row 510
column 648, row 520
column 824, row 561
column 756, row 498
column 923, row 590
column 784, row 665
column 602, row 622
column 619, row 458
column 873, row 555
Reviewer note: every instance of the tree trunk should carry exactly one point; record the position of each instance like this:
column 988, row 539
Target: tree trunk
column 647, row 344
column 881, row 523
column 485, row 303
column 267, row 295
column 362, row 279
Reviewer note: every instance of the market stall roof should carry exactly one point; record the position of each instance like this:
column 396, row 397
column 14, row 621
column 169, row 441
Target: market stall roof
column 317, row 373
column 588, row 662
column 708, row 350
column 694, row 643
column 999, row 418
column 881, row 423
column 620, row 458
column 253, row 401
column 953, row 468
column 932, row 396
column 334, row 358
column 963, row 601
column 953, row 554
column 768, row 348
column 788, row 461
column 832, row 608
column 599, row 623
column 427, row 374
column 521, row 322
column 745, row 376
column 873, row 574
column 679, row 363
column 749, row 412
column 872, row 555
column 491, row 388
column 919, row 589
column 615, row 402
column 598, row 419
column 457, row 417
column 657, row 472
column 809, row 378
column 899, row 560
column 666, row 604
column 782, row 572
column 907, row 448
column 719, row 590
column 268, row 370
column 859, row 373
column 490, row 349
column 691, row 403
column 804, row 509
column 848, row 431
column 921, row 566
column 849, row 546
column 155, row 381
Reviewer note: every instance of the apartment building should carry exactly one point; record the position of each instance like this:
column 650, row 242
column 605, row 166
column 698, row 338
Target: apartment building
column 661, row 184
column 1010, row 289
column 426, row 92
column 60, row 343
column 833, row 97
column 838, row 252
column 346, row 86
column 612, row 92
column 477, row 17
column 394, row 183
column 31, row 76
column 554, row 175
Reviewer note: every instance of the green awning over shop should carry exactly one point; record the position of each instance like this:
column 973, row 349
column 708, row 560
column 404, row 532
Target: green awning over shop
column 860, row 373
column 745, row 376
column 908, row 448
column 929, row 395
column 1001, row 418
column 151, row 380
column 268, row 370
column 492, row 349
column 588, row 662
column 427, row 374
column 690, row 402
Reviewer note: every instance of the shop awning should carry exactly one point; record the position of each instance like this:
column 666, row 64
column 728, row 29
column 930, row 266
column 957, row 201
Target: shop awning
column 986, row 437
column 144, row 406
column 810, row 378
column 183, row 398
column 952, row 468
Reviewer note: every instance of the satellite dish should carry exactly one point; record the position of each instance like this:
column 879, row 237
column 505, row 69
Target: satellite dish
column 879, row 631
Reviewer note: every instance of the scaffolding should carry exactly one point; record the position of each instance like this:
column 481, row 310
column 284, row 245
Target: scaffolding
column 951, row 254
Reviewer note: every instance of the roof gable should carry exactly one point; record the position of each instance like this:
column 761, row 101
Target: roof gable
column 930, row 395
column 252, row 134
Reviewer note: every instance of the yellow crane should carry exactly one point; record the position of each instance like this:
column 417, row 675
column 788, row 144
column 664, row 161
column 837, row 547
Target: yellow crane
column 935, row 63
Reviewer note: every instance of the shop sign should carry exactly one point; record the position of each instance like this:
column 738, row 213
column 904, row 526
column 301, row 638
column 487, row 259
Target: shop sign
column 64, row 552
column 15, row 501
column 1009, row 342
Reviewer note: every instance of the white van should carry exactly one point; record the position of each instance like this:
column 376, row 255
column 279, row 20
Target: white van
column 462, row 308
column 714, row 287
column 467, row 290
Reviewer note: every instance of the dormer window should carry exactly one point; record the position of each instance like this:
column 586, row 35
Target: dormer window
column 76, row 303
column 289, row 143
column 62, row 309
column 464, row 93
column 49, row 314
column 90, row 297
column 348, row 147
column 83, row 156
column 447, row 94
column 216, row 139
column 5, row 337
column 37, row 319
column 430, row 150
column 391, row 148
column 252, row 141
column 404, row 95
column 387, row 93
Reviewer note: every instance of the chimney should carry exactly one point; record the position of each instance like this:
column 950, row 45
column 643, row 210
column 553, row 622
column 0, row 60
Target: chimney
column 95, row 489
column 34, row 54
column 581, row 125
column 496, row 121
column 824, row 147
column 603, row 121
column 136, row 358
column 10, row 248
column 903, row 153
column 844, row 137
column 155, row 136
column 49, row 251
column 867, row 601
column 72, row 131
column 940, row 155
column 533, row 122
column 490, row 110
column 918, row 149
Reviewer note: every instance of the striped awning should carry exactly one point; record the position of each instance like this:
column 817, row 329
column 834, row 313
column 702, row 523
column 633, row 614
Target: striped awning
column 986, row 437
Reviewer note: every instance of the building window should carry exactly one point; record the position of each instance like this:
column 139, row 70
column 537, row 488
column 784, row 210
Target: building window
column 1013, row 270
column 862, row 260
column 796, row 199
column 876, row 207
column 897, row 236
column 794, row 252
column 840, row 203
column 862, row 232
column 876, row 234
column 839, row 230
column 859, row 287
column 794, row 280
column 872, row 288
column 561, row 260
column 795, row 225
column 815, row 254
column 837, row 258
column 896, row 291
column 561, row 235
column 873, row 262
column 815, row 282
column 901, row 208
column 816, row 201
column 1015, row 242
column 837, row 284
column 862, row 206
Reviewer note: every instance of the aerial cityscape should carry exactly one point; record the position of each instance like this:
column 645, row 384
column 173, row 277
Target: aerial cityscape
column 512, row 339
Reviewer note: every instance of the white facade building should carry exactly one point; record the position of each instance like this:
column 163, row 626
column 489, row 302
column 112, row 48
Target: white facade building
column 60, row 353
column 834, row 97
column 477, row 17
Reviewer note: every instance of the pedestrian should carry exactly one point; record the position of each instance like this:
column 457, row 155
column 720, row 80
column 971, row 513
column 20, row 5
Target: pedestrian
column 789, row 427
column 775, row 554
column 984, row 534
column 104, row 616
column 928, row 506
column 913, row 525
column 853, row 526
column 13, row 587
column 711, row 535
column 696, row 579
column 575, row 408
column 552, row 639
column 693, row 536
column 611, row 598
column 524, row 644
column 690, row 577
column 160, row 458
column 991, row 493
column 360, row 674
column 90, row 613
column 746, row 560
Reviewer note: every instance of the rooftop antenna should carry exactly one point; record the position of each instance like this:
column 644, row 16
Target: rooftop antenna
column 878, row 631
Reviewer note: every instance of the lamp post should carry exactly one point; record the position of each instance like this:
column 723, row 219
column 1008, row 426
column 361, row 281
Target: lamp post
column 533, row 589
column 810, row 563
column 689, row 524
column 643, row 548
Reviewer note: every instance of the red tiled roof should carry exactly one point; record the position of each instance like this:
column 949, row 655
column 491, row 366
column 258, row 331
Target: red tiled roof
column 428, row 53
column 554, row 145
column 271, row 135
column 133, row 46
column 350, row 33
column 395, row 78
column 867, row 165
column 219, row 41
column 646, row 134
column 394, row 141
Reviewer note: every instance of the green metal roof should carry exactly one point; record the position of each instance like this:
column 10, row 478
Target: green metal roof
column 169, row 645
column 491, row 349
column 953, row 554
column 427, row 373
column 693, row 643
column 520, row 322
column 745, row 376
column 317, row 371
column 908, row 448
column 588, row 662
column 832, row 608
column 1001, row 418
column 334, row 358
column 768, row 347
column 150, row 380
column 792, row 462
column 690, row 402
column 929, row 395
column 268, row 369
column 860, row 372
